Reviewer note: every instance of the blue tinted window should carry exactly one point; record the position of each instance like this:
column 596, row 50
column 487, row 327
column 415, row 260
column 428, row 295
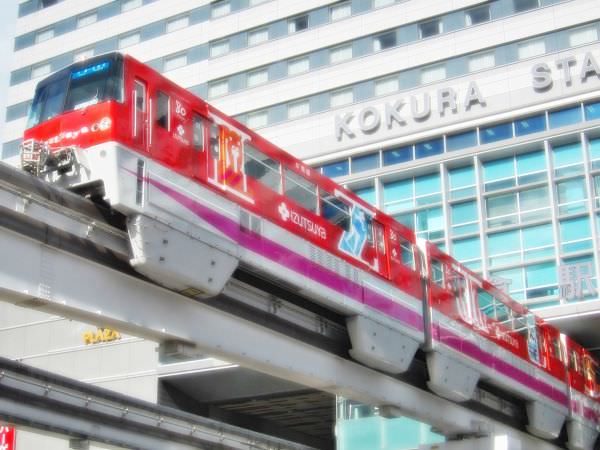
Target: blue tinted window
column 514, row 276
column 501, row 205
column 366, row 162
column 466, row 249
column 461, row 177
column 397, row 155
column 538, row 236
column 592, row 111
column 430, row 223
column 336, row 169
column 498, row 169
column 11, row 148
column 594, row 146
column 464, row 212
column 540, row 274
column 504, row 242
column 575, row 235
column 367, row 194
column 533, row 124
column 462, row 182
column 429, row 148
column 565, row 155
column 496, row 133
column 571, row 191
column 565, row 117
column 398, row 190
column 531, row 162
column 464, row 218
column 428, row 184
column 398, row 195
column 428, row 190
column 575, row 229
column 462, row 140
column 408, row 220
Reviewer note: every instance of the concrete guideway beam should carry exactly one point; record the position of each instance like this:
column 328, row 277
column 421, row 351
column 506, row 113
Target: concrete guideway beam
column 36, row 275
column 34, row 398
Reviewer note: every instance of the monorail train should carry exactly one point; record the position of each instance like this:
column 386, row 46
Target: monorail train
column 203, row 194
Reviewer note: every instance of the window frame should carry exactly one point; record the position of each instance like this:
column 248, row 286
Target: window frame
column 293, row 22
column 161, row 120
column 135, row 4
column 82, row 18
column 436, row 24
column 468, row 19
column 251, row 152
column 343, row 5
column 175, row 23
column 216, row 7
column 197, row 143
column 123, row 40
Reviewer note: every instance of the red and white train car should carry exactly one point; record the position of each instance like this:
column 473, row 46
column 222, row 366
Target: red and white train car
column 203, row 194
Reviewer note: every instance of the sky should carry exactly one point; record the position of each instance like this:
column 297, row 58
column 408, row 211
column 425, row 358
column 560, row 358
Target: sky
column 8, row 17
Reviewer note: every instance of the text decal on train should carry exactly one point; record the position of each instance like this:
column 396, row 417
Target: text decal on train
column 180, row 123
column 295, row 217
column 102, row 125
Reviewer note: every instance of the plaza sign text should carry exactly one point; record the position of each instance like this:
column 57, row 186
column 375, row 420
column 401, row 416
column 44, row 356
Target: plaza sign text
column 417, row 107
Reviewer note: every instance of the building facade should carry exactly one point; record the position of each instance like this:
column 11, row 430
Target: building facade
column 476, row 123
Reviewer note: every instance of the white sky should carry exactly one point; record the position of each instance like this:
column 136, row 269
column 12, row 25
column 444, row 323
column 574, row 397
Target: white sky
column 8, row 18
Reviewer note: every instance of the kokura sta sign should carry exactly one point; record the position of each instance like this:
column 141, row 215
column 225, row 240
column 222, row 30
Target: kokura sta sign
column 401, row 111
column 570, row 68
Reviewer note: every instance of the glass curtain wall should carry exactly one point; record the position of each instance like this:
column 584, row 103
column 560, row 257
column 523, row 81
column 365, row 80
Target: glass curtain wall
column 518, row 217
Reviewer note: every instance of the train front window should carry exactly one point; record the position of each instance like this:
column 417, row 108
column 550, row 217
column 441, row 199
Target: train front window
column 48, row 101
column 75, row 88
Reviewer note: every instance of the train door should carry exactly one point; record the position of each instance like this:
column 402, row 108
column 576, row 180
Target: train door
column 140, row 114
column 199, row 146
column 213, row 156
column 160, row 126
column 380, row 256
column 404, row 265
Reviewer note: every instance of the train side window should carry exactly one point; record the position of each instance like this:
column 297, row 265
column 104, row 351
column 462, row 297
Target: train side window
column 502, row 313
column 520, row 324
column 335, row 210
column 437, row 273
column 574, row 361
column 379, row 237
column 457, row 284
column 214, row 141
column 262, row 168
column 140, row 96
column 301, row 191
column 371, row 239
column 556, row 349
column 588, row 368
column 198, row 132
column 407, row 254
column 486, row 303
column 162, row 111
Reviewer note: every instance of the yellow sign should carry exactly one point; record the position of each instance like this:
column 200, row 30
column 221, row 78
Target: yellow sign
column 102, row 335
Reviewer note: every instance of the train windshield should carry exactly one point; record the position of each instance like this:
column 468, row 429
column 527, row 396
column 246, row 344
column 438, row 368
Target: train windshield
column 76, row 87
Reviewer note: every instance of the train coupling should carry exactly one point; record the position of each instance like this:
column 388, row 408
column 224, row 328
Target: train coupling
column 38, row 158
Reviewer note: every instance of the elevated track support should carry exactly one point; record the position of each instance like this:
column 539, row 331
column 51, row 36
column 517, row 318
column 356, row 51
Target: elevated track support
column 62, row 256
